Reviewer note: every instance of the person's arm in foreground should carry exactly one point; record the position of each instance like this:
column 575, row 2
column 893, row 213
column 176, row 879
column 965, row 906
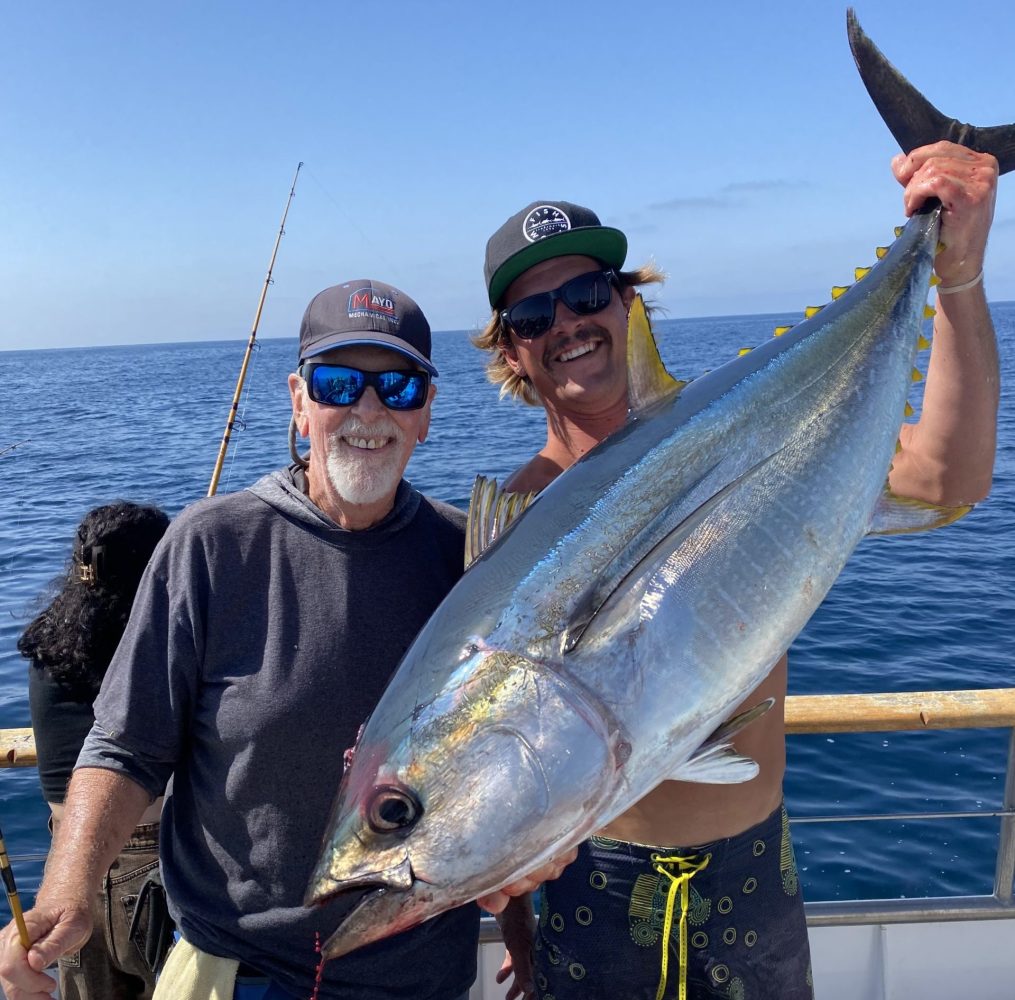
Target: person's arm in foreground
column 512, row 905
column 101, row 810
column 947, row 457
column 517, row 922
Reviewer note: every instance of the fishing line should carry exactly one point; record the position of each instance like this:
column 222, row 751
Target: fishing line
column 351, row 222
column 11, row 454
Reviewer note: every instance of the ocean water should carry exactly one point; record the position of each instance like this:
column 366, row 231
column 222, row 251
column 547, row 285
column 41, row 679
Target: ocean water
column 87, row 426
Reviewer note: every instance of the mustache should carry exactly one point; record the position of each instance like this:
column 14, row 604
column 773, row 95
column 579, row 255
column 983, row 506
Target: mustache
column 580, row 336
column 356, row 428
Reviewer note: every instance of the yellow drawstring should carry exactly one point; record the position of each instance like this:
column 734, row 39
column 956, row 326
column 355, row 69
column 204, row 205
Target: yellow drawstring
column 689, row 867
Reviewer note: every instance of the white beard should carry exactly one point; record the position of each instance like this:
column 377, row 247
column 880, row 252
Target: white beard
column 364, row 477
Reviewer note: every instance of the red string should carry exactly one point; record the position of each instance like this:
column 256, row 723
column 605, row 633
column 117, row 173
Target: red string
column 319, row 973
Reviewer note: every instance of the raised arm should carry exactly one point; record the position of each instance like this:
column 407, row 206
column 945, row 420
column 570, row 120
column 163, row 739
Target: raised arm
column 948, row 456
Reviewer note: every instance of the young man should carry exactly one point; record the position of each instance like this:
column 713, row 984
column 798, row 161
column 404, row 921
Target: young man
column 557, row 338
column 264, row 632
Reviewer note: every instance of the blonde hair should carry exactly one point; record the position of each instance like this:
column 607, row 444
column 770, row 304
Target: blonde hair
column 493, row 336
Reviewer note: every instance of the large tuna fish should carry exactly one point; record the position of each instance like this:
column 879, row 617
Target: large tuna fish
column 593, row 649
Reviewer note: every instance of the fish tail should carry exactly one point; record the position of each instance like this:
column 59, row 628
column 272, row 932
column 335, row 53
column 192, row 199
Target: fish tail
column 910, row 117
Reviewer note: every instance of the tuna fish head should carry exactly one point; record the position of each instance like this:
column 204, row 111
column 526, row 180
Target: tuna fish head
column 439, row 808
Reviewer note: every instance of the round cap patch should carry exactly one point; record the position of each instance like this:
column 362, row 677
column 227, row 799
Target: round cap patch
column 543, row 221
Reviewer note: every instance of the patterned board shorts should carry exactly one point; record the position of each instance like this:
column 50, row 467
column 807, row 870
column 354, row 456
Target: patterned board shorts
column 627, row 922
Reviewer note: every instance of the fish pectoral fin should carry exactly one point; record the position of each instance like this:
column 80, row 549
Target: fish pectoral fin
column 739, row 722
column 894, row 515
column 715, row 762
column 648, row 381
column 720, row 764
column 491, row 511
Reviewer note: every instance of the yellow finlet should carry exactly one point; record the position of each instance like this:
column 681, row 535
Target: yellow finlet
column 940, row 247
column 743, row 351
column 929, row 312
column 898, row 231
column 812, row 311
column 861, row 272
column 898, row 446
column 916, row 375
column 934, row 279
column 922, row 343
column 647, row 377
column 780, row 330
column 881, row 252
column 908, row 411
column 838, row 291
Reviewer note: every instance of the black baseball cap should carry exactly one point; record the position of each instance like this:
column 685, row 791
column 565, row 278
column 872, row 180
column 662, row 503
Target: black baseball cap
column 543, row 230
column 366, row 312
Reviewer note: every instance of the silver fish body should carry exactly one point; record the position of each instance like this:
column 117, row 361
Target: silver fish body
column 589, row 652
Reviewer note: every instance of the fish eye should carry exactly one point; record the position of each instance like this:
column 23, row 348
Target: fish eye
column 392, row 808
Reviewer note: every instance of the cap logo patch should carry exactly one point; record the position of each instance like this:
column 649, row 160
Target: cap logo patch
column 367, row 302
column 543, row 221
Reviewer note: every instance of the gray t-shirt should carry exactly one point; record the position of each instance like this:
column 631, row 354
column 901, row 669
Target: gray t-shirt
column 261, row 638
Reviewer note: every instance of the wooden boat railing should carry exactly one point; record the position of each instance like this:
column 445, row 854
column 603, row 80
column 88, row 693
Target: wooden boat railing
column 854, row 713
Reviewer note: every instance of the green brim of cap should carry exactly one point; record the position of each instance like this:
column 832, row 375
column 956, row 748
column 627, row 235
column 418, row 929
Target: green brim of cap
column 602, row 242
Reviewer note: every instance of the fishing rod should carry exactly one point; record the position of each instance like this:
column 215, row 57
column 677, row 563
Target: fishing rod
column 213, row 485
column 12, row 895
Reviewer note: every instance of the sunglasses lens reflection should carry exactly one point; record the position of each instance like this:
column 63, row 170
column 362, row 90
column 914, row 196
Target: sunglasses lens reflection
column 337, row 385
column 584, row 295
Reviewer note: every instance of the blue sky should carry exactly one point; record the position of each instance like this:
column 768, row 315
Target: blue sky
column 149, row 148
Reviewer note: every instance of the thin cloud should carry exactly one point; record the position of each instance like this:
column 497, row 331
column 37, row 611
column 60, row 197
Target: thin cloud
column 682, row 204
column 764, row 187
column 728, row 195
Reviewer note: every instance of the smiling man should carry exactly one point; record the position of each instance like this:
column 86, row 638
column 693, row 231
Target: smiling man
column 693, row 892
column 263, row 634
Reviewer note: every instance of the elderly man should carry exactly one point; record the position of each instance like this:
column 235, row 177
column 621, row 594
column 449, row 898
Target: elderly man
column 557, row 338
column 265, row 629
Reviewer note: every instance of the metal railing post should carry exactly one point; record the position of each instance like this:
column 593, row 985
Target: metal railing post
column 1005, row 872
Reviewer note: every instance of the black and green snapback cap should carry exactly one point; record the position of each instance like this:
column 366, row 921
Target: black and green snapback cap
column 543, row 230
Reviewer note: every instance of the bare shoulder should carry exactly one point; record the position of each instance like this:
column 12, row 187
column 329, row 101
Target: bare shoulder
column 534, row 475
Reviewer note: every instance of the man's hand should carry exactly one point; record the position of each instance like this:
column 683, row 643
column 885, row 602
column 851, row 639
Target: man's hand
column 965, row 182
column 55, row 930
column 517, row 923
column 495, row 902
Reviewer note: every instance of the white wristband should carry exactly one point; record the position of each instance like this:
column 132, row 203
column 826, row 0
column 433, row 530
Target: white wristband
column 949, row 289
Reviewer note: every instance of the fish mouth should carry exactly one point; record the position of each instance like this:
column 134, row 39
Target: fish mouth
column 391, row 901
column 398, row 878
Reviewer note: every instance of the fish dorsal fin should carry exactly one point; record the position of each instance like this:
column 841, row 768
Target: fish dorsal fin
column 491, row 510
column 715, row 762
column 647, row 378
column 904, row 516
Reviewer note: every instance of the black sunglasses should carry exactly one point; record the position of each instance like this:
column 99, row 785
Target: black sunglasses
column 585, row 295
column 338, row 385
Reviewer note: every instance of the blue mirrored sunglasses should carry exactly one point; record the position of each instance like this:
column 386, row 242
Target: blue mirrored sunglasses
column 338, row 385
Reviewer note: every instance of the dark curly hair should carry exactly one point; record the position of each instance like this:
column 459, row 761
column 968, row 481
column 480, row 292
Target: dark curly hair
column 75, row 637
